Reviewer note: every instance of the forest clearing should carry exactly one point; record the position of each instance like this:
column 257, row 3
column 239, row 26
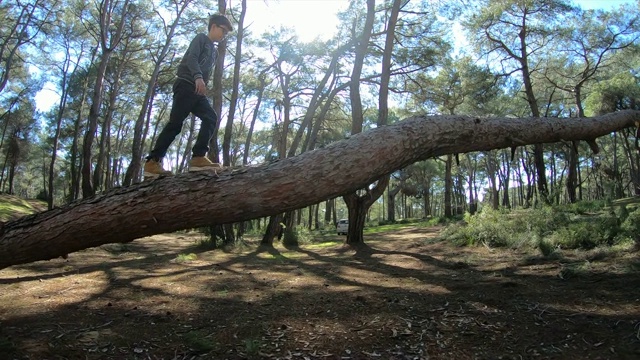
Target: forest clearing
column 511, row 127
column 404, row 295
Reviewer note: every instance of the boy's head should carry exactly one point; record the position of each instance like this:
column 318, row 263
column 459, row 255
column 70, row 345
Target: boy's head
column 220, row 20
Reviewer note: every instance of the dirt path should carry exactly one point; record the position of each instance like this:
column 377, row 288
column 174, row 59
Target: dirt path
column 401, row 297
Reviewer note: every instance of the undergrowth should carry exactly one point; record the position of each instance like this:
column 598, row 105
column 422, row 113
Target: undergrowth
column 550, row 228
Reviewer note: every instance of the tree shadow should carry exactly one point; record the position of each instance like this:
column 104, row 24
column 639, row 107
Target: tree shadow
column 339, row 295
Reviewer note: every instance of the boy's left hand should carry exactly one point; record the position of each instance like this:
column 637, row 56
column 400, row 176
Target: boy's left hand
column 201, row 88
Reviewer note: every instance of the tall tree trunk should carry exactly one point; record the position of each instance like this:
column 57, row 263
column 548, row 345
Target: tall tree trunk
column 19, row 32
column 538, row 149
column 329, row 206
column 226, row 143
column 247, row 145
column 133, row 170
column 214, row 152
column 526, row 167
column 504, row 173
column 59, row 115
column 358, row 207
column 617, row 179
column 493, row 179
column 76, row 157
column 6, row 158
column 290, row 239
column 572, row 171
column 472, row 168
column 391, row 203
column 448, row 186
column 358, row 204
column 356, row 218
column 362, row 43
column 273, row 228
column 105, row 24
column 427, row 204
column 182, row 161
column 13, row 158
column 314, row 104
column 633, row 161
column 105, row 135
column 312, row 212
column 92, row 126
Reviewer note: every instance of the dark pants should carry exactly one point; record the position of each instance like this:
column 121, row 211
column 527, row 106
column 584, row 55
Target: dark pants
column 186, row 101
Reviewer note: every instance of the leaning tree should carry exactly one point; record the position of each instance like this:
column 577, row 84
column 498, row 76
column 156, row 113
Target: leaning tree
column 201, row 199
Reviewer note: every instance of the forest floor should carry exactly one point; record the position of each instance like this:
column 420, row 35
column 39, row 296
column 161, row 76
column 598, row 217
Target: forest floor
column 402, row 296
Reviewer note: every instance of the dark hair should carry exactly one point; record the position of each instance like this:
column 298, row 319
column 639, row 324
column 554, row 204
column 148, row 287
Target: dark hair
column 219, row 20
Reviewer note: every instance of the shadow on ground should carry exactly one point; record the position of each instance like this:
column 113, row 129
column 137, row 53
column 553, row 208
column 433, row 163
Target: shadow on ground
column 397, row 297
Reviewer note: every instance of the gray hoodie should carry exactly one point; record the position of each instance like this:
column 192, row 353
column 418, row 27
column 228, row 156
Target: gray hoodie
column 198, row 60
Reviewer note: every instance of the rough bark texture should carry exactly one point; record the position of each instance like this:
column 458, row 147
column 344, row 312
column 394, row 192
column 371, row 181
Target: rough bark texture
column 200, row 199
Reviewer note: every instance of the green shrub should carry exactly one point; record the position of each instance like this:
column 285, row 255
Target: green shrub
column 116, row 248
column 608, row 228
column 290, row 237
column 207, row 243
column 575, row 270
column 547, row 228
column 572, row 237
column 252, row 346
column 630, row 227
column 587, row 233
column 490, row 227
column 457, row 234
column 185, row 258
column 584, row 207
column 296, row 236
column 599, row 254
column 547, row 249
column 543, row 221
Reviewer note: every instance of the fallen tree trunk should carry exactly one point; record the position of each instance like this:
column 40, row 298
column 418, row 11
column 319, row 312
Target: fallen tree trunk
column 199, row 199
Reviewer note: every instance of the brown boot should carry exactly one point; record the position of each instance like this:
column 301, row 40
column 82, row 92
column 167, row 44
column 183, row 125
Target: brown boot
column 153, row 169
column 201, row 163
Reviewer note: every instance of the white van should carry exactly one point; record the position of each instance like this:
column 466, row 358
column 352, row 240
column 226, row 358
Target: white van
column 342, row 227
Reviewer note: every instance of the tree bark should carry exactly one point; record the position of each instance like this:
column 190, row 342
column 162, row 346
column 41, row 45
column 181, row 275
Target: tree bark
column 358, row 202
column 273, row 227
column 358, row 206
column 391, row 203
column 192, row 200
column 491, row 166
column 448, row 186
column 472, row 169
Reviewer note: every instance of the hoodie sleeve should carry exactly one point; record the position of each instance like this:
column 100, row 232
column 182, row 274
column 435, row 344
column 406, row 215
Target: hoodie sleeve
column 193, row 54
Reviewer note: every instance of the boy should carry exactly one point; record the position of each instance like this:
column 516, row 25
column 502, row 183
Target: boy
column 189, row 96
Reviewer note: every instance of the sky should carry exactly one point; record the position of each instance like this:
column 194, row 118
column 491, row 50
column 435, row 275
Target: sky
column 601, row 4
column 313, row 18
column 310, row 19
